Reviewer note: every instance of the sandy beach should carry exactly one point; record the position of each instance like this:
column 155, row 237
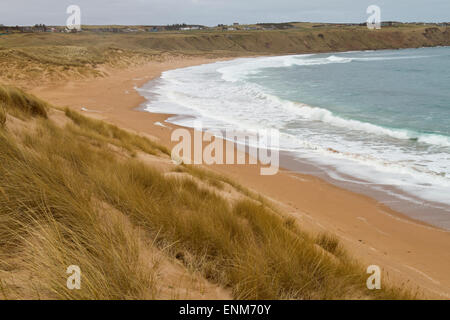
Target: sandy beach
column 407, row 250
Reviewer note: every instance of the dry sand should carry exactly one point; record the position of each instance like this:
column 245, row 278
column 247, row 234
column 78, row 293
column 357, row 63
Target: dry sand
column 408, row 251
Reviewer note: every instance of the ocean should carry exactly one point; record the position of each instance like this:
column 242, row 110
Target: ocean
column 375, row 122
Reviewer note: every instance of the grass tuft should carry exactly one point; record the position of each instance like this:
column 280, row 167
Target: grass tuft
column 114, row 134
column 2, row 116
column 329, row 242
column 16, row 98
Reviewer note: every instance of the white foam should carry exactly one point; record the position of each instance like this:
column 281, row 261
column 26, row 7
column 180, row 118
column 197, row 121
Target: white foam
column 240, row 68
column 320, row 114
column 219, row 95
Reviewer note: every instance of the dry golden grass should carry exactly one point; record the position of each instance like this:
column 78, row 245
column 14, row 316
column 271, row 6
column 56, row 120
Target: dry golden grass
column 115, row 135
column 50, row 221
column 17, row 99
column 2, row 115
column 70, row 198
column 217, row 180
column 28, row 59
column 330, row 243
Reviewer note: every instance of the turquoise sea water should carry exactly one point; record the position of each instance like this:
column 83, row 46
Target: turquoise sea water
column 404, row 89
column 380, row 119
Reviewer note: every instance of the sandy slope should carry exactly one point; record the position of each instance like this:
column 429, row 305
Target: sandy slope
column 408, row 251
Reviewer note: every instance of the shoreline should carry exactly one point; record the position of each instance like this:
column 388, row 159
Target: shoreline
column 286, row 157
column 370, row 230
column 433, row 211
column 415, row 212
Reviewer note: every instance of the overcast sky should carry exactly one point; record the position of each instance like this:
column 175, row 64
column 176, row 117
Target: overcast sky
column 213, row 12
